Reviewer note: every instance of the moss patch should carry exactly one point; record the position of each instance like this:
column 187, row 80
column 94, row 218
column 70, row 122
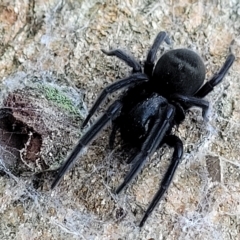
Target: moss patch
column 59, row 99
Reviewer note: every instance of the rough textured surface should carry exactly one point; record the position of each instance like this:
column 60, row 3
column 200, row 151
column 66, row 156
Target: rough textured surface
column 62, row 39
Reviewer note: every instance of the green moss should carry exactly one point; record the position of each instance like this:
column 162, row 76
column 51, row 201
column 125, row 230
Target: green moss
column 58, row 98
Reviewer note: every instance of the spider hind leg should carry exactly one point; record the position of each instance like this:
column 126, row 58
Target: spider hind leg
column 149, row 64
column 216, row 78
column 129, row 60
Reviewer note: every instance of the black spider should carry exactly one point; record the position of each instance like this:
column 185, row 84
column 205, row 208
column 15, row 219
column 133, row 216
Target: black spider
column 156, row 99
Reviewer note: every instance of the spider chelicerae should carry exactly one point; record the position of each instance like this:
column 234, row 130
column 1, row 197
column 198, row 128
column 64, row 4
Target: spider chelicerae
column 157, row 97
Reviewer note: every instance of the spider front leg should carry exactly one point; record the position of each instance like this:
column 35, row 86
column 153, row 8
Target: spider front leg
column 149, row 63
column 216, row 79
column 155, row 137
column 110, row 114
column 176, row 143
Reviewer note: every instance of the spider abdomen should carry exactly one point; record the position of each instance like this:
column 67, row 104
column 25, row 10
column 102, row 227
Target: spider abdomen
column 179, row 71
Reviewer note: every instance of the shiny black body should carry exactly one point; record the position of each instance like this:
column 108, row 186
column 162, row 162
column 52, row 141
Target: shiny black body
column 156, row 99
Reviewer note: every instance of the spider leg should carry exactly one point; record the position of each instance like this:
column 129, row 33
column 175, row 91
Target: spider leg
column 153, row 140
column 216, row 78
column 191, row 101
column 131, row 80
column 111, row 112
column 149, row 64
column 180, row 113
column 176, row 143
column 129, row 60
column 113, row 135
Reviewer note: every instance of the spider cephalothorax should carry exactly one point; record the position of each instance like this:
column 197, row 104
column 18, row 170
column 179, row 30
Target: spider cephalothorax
column 156, row 99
